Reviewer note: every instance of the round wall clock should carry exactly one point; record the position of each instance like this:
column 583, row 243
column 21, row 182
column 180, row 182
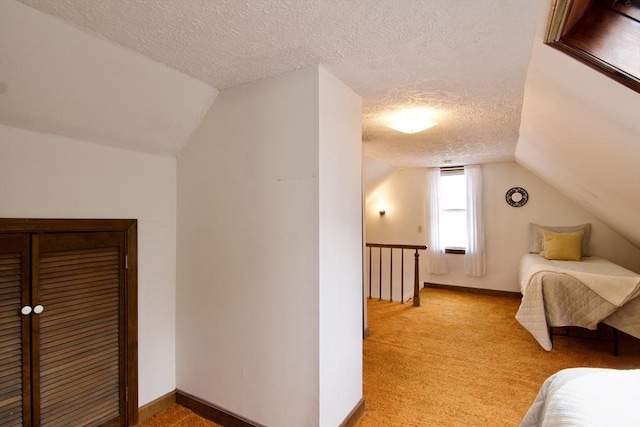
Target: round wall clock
column 517, row 197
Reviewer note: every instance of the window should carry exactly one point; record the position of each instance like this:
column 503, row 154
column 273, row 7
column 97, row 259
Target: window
column 453, row 210
column 603, row 34
column 456, row 219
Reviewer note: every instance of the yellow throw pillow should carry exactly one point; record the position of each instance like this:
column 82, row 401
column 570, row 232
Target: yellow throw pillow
column 563, row 246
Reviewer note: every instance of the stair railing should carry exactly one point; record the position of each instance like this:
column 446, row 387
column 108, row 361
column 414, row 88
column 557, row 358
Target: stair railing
column 416, row 275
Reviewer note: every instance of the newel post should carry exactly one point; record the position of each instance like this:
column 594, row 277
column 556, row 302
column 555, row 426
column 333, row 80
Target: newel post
column 416, row 279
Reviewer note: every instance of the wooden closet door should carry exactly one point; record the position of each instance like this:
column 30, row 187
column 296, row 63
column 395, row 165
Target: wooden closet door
column 78, row 345
column 15, row 392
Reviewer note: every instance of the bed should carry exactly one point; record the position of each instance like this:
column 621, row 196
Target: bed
column 587, row 397
column 583, row 293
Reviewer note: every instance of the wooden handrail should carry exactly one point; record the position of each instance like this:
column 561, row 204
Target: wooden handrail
column 416, row 276
column 384, row 245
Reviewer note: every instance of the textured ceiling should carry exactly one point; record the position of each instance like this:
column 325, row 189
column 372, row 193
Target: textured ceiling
column 59, row 80
column 466, row 59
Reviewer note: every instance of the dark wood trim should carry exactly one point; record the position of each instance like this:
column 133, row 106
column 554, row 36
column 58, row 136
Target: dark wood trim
column 369, row 273
column 597, row 64
column 452, row 170
column 456, row 251
column 212, row 412
column 416, row 280
column 228, row 419
column 354, row 416
column 493, row 292
column 379, row 272
column 35, row 330
column 366, row 332
column 26, row 331
column 384, row 245
column 562, row 21
column 46, row 225
column 156, row 406
column 18, row 245
column 131, row 250
column 129, row 228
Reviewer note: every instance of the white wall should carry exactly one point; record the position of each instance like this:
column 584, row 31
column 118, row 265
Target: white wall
column 506, row 227
column 251, row 230
column 404, row 195
column 340, row 250
column 580, row 131
column 376, row 171
column 47, row 176
column 403, row 192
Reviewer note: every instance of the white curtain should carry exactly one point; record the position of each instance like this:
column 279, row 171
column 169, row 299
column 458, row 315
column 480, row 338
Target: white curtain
column 436, row 261
column 474, row 258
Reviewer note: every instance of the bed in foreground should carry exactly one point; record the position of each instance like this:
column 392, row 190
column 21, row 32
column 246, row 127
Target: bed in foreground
column 574, row 289
column 587, row 397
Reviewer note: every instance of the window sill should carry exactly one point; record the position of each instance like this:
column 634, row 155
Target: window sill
column 455, row 251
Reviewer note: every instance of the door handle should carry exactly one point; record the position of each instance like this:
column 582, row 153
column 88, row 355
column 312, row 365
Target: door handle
column 26, row 310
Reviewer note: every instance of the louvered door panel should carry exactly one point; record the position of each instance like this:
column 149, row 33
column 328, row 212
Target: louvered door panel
column 79, row 283
column 14, row 331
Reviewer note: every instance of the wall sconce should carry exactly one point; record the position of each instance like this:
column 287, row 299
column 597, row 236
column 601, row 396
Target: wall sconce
column 382, row 209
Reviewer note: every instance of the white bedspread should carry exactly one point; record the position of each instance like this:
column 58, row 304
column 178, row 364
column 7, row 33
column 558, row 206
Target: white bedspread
column 587, row 397
column 570, row 305
column 612, row 282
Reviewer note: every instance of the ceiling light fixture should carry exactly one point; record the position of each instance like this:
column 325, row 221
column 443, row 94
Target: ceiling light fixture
column 412, row 120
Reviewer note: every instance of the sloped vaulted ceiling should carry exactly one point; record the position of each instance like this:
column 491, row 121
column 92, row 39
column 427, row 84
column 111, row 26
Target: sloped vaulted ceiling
column 57, row 79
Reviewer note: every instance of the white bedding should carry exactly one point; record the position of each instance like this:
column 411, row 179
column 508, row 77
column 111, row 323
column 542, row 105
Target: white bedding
column 554, row 295
column 612, row 282
column 587, row 397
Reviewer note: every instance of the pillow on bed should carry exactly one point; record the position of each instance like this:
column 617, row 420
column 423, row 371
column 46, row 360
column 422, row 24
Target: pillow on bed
column 536, row 241
column 562, row 246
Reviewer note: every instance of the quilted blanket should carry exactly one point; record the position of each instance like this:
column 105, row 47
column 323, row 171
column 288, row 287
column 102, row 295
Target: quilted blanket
column 552, row 298
column 612, row 282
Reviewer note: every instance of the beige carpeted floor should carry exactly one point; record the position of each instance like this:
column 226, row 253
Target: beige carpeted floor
column 177, row 416
column 460, row 359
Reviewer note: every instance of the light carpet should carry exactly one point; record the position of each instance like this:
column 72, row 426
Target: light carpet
column 177, row 416
column 461, row 359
